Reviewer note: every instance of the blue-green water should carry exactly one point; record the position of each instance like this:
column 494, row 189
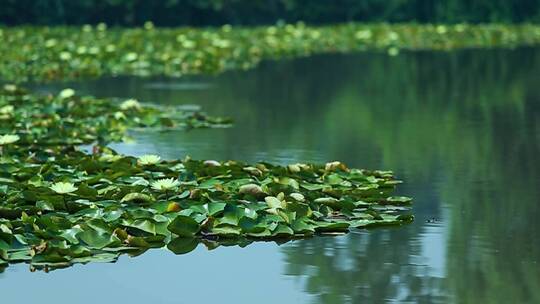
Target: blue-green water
column 461, row 129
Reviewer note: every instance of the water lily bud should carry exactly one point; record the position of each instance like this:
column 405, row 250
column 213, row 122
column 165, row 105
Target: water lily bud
column 136, row 241
column 207, row 223
column 120, row 233
column 37, row 249
column 173, row 207
column 66, row 93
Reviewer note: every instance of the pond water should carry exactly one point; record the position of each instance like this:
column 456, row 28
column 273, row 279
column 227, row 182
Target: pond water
column 462, row 129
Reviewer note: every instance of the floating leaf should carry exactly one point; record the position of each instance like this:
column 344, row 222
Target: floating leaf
column 183, row 245
column 184, row 226
column 215, row 208
column 94, row 238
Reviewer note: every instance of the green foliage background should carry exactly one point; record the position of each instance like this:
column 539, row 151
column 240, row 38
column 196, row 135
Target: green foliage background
column 214, row 12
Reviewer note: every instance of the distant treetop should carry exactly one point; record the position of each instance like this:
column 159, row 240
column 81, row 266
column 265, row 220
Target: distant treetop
column 250, row 12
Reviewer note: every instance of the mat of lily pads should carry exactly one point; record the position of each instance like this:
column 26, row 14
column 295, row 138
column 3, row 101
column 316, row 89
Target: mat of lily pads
column 52, row 53
column 60, row 205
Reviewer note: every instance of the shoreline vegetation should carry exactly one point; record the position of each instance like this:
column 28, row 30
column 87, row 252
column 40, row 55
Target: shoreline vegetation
column 249, row 12
column 42, row 54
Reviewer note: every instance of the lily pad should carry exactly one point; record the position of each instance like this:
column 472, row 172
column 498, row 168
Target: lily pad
column 184, row 226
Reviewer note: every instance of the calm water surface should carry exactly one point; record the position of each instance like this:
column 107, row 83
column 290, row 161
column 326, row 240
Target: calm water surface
column 461, row 129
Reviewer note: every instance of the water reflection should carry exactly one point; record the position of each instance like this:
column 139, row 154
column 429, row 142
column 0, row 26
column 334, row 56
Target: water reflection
column 461, row 128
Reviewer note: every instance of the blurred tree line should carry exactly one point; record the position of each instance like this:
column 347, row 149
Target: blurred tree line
column 249, row 12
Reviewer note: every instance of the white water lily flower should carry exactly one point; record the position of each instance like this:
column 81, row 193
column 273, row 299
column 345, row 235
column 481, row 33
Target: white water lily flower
column 93, row 50
column 10, row 87
column 101, row 27
column 82, row 50
column 8, row 109
column 149, row 159
column 148, row 25
column 165, row 184
column 188, row 44
column 332, row 166
column 131, row 56
column 8, row 139
column 393, row 51
column 294, row 168
column 393, row 36
column 460, row 27
column 363, row 35
column 67, row 93
column 87, row 28
column 50, row 43
column 119, row 115
column 130, row 104
column 110, row 48
column 65, row 56
column 441, row 29
column 63, row 187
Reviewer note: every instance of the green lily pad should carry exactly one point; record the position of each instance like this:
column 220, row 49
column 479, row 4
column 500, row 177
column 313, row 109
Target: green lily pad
column 184, row 226
column 183, row 245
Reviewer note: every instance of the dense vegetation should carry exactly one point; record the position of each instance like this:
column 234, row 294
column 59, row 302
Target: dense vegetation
column 217, row 12
column 43, row 53
column 61, row 205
